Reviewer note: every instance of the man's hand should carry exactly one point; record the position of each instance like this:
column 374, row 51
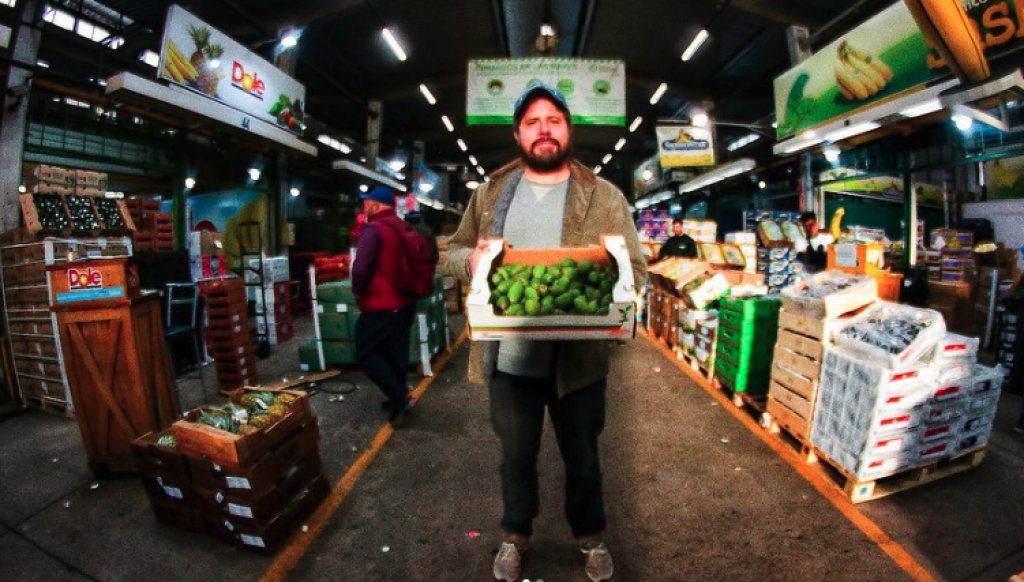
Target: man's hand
column 474, row 257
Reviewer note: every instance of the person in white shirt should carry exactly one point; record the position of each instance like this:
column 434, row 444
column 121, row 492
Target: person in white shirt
column 815, row 255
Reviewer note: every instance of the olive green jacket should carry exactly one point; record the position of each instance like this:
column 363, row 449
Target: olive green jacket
column 593, row 207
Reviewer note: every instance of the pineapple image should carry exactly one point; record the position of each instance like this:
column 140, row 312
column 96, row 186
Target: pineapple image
column 208, row 76
column 201, row 38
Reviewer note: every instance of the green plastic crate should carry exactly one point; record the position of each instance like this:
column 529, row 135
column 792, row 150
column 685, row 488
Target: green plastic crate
column 751, row 307
column 749, row 360
column 336, row 353
column 338, row 326
column 736, row 320
column 738, row 381
column 336, row 292
column 749, row 336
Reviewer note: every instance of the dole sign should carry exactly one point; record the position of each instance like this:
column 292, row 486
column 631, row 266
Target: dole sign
column 248, row 82
column 87, row 278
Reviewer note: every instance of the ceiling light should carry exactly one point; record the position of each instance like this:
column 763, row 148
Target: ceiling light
column 461, row 144
column 620, row 144
column 190, row 183
column 607, row 158
column 426, row 187
column 718, row 174
column 427, row 94
column 480, row 170
column 547, row 30
column 695, row 44
column 636, row 123
column 487, row 178
column 150, row 58
column 775, row 124
column 930, row 106
column 400, row 176
column 597, row 169
column 700, row 119
column 42, row 64
column 396, row 164
column 963, row 122
column 447, row 123
column 364, row 188
column 290, row 40
column 393, row 44
column 472, row 184
column 743, row 141
column 831, row 153
column 294, row 191
column 647, row 174
column 254, row 174
column 324, row 139
column 472, row 160
column 658, row 93
column 845, row 132
column 22, row 189
column 343, row 148
column 761, row 185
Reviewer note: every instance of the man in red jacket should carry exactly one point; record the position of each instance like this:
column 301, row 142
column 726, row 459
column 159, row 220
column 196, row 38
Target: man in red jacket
column 386, row 314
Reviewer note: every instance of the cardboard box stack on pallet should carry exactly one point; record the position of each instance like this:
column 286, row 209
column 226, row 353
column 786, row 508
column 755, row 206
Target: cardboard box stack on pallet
column 227, row 333
column 745, row 328
column 61, row 201
column 154, row 229
column 272, row 298
column 898, row 392
column 250, row 484
column 810, row 312
column 36, row 350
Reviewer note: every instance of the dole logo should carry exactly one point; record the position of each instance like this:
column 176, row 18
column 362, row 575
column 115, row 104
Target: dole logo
column 248, row 82
column 84, row 279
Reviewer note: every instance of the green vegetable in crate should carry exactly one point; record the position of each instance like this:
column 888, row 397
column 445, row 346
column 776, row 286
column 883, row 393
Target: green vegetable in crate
column 515, row 292
column 569, row 287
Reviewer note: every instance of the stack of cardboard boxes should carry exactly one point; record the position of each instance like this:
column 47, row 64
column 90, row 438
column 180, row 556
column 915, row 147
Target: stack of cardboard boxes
column 206, row 256
column 272, row 298
column 154, row 230
column 227, row 333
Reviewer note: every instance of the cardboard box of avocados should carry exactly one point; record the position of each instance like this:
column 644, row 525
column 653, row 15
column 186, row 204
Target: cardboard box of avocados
column 553, row 294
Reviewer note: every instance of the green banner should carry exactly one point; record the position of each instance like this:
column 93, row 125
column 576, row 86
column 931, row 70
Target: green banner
column 594, row 89
column 882, row 59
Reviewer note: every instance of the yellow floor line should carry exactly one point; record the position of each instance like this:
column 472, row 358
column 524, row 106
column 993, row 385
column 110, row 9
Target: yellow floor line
column 288, row 558
column 876, row 534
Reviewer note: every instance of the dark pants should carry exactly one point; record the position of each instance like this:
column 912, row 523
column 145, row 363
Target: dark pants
column 382, row 350
column 517, row 414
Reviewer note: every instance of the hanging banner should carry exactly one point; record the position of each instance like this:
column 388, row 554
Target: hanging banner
column 594, row 89
column 884, row 58
column 196, row 55
column 685, row 146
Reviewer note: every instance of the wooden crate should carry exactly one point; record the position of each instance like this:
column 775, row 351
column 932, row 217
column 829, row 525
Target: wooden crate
column 239, row 451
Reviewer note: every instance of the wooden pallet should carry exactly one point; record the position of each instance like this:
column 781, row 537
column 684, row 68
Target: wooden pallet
column 755, row 403
column 789, row 428
column 859, row 491
column 706, row 372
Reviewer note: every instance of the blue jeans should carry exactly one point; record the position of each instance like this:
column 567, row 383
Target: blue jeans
column 382, row 350
column 517, row 415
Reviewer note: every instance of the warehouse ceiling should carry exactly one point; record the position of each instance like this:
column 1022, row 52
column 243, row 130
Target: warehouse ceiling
column 344, row 62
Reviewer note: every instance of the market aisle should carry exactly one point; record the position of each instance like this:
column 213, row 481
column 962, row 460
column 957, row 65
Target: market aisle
column 691, row 495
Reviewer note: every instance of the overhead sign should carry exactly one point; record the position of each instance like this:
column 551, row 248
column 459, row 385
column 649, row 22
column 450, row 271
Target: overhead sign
column 685, row 146
column 884, row 58
column 594, row 89
column 196, row 55
column 646, row 176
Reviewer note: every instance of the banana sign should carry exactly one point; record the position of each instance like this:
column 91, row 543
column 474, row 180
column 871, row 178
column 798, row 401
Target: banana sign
column 681, row 146
column 896, row 53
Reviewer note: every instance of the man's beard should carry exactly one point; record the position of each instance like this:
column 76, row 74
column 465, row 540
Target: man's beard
column 545, row 163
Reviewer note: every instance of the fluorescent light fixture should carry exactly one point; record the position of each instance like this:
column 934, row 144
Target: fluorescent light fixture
column 930, row 106
column 254, row 174
column 700, row 119
column 289, row 40
column 547, row 30
column 341, row 147
column 42, row 64
column 393, row 44
column 472, row 184
column 400, row 176
column 743, row 141
column 472, row 160
column 775, row 124
column 850, row 131
column 364, row 188
column 597, row 169
column 607, row 158
column 426, row 187
column 963, row 122
column 717, row 174
column 462, row 145
column 324, row 139
column 620, row 144
column 761, row 185
column 658, row 93
column 396, row 165
column 294, row 191
column 22, row 189
column 487, row 179
column 806, row 140
column 190, row 183
column 447, row 123
column 636, row 123
column 831, row 153
column 427, row 94
column 695, row 45
column 480, row 170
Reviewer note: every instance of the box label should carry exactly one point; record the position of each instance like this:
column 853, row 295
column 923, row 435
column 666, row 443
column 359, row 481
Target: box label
column 238, row 483
column 240, row 510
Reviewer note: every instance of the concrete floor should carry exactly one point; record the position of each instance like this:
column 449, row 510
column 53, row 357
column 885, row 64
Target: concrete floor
column 691, row 494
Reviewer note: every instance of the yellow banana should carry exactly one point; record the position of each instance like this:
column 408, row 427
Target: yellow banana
column 852, row 83
column 866, row 71
column 172, row 71
column 834, row 227
column 184, row 65
column 875, row 62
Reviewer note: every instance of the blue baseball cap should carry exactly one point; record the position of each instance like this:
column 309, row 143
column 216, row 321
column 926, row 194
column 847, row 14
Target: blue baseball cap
column 537, row 90
column 381, row 194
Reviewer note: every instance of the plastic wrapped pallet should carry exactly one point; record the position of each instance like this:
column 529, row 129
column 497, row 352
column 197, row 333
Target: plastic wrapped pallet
column 829, row 294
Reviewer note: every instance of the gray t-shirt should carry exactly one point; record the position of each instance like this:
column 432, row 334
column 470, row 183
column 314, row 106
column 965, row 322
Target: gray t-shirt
column 534, row 220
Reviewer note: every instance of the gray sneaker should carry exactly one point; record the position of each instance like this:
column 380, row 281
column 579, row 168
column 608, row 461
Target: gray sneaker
column 508, row 563
column 599, row 564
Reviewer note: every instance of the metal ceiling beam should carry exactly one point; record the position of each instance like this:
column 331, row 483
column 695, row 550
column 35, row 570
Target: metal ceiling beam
column 586, row 25
column 500, row 27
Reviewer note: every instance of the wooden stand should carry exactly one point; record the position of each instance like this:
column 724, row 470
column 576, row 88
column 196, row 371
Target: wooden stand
column 117, row 366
